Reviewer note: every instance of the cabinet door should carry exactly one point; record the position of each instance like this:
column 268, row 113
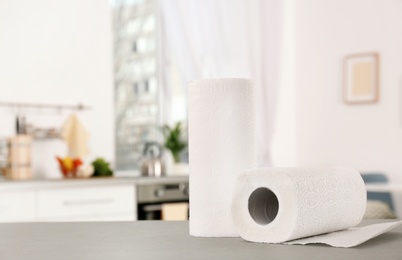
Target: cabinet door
column 92, row 218
column 16, row 206
column 89, row 202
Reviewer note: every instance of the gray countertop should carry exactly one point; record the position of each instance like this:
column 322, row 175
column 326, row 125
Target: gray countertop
column 166, row 240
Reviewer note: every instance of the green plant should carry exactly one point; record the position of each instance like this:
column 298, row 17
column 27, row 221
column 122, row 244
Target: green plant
column 101, row 168
column 174, row 141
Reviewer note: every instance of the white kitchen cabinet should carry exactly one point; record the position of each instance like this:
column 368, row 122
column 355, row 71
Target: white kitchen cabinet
column 92, row 218
column 85, row 202
column 68, row 200
column 17, row 206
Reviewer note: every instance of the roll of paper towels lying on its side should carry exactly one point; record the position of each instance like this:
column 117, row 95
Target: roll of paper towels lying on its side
column 221, row 146
column 274, row 205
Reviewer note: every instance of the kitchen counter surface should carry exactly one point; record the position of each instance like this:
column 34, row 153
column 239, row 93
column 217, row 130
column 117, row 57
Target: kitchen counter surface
column 166, row 240
column 56, row 183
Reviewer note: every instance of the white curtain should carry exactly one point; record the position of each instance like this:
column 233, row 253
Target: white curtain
column 225, row 38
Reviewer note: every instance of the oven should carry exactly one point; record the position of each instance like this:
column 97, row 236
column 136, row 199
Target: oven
column 153, row 197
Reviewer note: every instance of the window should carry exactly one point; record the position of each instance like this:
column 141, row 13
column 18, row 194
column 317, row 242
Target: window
column 136, row 79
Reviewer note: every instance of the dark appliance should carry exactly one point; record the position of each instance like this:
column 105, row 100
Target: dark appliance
column 151, row 196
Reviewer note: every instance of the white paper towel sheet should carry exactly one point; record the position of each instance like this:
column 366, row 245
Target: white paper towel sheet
column 349, row 237
column 275, row 205
column 221, row 146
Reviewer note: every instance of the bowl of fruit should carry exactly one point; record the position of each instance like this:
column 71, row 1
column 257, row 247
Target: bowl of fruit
column 74, row 168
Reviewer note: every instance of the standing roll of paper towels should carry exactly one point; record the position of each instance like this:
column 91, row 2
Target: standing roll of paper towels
column 221, row 146
column 274, row 205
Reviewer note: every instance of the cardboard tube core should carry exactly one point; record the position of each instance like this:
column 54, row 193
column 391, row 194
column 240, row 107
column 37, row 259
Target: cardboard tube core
column 263, row 206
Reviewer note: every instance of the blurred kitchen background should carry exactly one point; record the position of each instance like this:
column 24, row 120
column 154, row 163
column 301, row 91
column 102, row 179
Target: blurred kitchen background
column 102, row 85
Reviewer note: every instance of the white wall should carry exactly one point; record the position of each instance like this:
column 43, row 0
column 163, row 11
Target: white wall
column 328, row 132
column 58, row 52
column 284, row 136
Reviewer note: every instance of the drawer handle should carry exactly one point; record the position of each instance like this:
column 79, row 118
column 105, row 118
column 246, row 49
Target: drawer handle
column 87, row 202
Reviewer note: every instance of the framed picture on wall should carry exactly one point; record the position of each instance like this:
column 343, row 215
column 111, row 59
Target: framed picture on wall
column 361, row 76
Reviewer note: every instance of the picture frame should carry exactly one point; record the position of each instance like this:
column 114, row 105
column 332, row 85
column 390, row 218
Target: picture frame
column 361, row 78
